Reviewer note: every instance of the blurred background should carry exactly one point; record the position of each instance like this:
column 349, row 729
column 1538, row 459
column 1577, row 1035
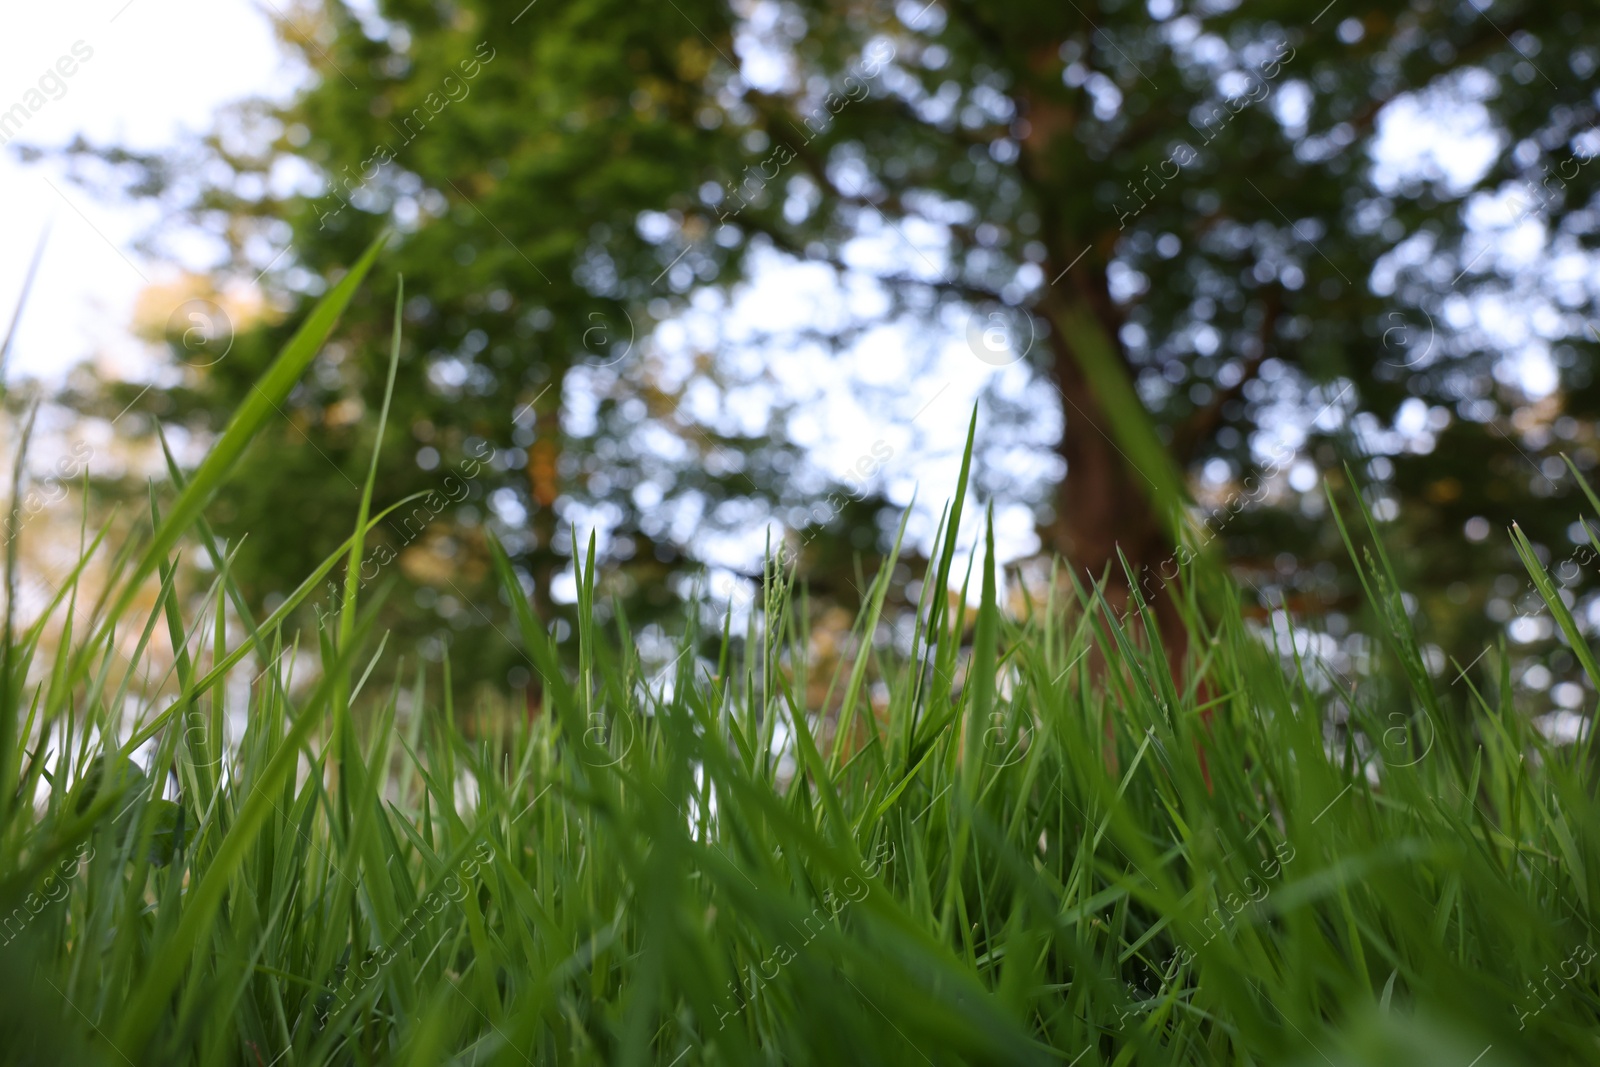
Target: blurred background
column 700, row 278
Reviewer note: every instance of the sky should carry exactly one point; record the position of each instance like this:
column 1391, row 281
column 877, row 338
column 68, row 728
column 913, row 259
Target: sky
column 154, row 70
column 160, row 70
column 146, row 74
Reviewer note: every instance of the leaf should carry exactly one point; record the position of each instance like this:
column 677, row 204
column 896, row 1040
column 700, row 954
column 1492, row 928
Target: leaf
column 261, row 405
column 171, row 831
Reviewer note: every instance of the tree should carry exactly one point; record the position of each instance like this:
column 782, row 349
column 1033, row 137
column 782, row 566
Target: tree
column 1178, row 196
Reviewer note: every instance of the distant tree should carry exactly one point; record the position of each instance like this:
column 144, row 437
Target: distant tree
column 1189, row 189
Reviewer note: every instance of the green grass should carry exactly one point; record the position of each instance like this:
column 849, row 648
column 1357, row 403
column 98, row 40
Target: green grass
column 1002, row 854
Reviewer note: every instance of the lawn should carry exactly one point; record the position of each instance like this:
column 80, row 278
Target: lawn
column 1021, row 841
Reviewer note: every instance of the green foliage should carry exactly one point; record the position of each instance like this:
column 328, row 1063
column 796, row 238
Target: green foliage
column 1177, row 195
column 994, row 854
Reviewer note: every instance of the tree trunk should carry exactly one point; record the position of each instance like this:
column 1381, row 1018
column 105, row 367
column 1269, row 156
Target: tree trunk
column 544, row 486
column 1104, row 503
column 1104, row 506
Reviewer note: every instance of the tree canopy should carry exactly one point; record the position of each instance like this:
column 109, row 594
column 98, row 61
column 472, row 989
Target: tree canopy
column 1302, row 237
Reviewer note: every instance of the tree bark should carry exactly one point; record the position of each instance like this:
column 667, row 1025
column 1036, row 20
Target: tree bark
column 1104, row 506
column 544, row 486
column 1104, row 503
